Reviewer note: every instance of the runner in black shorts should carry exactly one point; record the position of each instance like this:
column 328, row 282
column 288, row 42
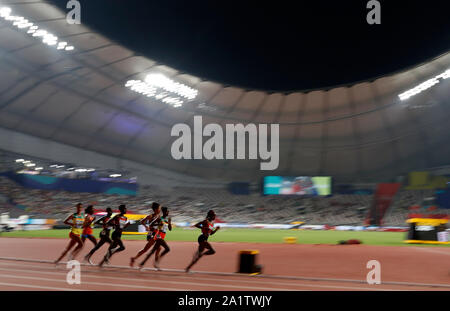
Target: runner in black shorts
column 207, row 227
column 151, row 229
column 119, row 222
column 104, row 234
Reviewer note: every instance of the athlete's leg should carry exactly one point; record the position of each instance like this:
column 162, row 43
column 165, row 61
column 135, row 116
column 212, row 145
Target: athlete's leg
column 78, row 248
column 112, row 247
column 158, row 251
column 166, row 249
column 108, row 240
column 109, row 253
column 145, row 249
column 155, row 247
column 120, row 248
column 142, row 251
column 72, row 242
column 92, row 239
column 102, row 241
column 157, row 257
column 210, row 250
column 198, row 254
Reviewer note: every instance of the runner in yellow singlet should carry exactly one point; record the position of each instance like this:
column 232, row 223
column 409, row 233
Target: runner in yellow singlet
column 76, row 221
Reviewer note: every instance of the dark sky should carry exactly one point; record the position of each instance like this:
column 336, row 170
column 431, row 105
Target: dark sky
column 275, row 45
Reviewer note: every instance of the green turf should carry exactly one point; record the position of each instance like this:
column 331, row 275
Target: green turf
column 251, row 235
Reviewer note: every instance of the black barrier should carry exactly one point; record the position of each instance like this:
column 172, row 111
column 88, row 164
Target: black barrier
column 426, row 230
column 133, row 227
column 247, row 262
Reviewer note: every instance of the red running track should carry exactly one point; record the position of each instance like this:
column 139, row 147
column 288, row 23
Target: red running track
column 286, row 267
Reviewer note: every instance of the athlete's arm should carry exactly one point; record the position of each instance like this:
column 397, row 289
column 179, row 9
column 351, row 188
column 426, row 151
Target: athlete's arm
column 215, row 230
column 126, row 225
column 112, row 221
column 200, row 224
column 70, row 217
column 144, row 221
column 170, row 224
column 101, row 221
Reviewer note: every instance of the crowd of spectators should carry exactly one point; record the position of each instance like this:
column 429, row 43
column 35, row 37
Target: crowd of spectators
column 189, row 204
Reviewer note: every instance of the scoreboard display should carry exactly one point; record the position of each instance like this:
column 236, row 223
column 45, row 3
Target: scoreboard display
column 300, row 185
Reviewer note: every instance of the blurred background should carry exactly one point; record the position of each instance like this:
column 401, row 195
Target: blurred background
column 86, row 112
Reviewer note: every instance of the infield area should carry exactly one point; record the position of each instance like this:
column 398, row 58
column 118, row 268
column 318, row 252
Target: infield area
column 271, row 236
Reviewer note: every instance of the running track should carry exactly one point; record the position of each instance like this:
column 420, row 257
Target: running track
column 25, row 264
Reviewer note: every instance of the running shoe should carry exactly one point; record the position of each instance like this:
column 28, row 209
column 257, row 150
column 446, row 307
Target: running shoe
column 156, row 265
column 89, row 260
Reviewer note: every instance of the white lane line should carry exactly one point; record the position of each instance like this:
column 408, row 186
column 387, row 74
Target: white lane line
column 232, row 274
column 151, row 281
column 294, row 278
column 432, row 251
column 214, row 285
column 143, row 275
column 83, row 282
column 289, row 284
column 38, row 287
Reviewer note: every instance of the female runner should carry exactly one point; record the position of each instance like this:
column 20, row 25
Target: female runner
column 164, row 222
column 151, row 229
column 76, row 221
column 87, row 227
column 104, row 234
column 207, row 227
column 120, row 223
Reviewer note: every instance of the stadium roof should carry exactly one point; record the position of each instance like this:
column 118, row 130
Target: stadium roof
column 359, row 132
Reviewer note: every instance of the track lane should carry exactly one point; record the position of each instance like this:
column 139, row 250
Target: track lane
column 286, row 267
column 107, row 280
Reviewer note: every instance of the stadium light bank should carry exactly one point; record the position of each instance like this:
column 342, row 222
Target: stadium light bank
column 33, row 30
column 163, row 89
column 213, row 148
column 425, row 85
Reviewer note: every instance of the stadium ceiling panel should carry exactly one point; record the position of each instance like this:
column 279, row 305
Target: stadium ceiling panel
column 359, row 132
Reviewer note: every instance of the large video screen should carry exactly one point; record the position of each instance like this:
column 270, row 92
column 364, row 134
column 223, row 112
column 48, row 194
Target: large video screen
column 301, row 185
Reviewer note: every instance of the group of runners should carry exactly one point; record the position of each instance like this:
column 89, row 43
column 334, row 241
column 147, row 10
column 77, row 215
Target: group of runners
column 156, row 224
